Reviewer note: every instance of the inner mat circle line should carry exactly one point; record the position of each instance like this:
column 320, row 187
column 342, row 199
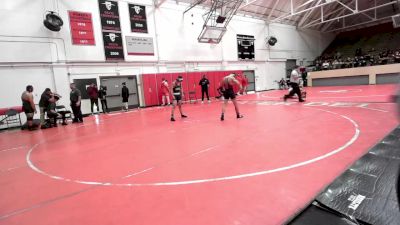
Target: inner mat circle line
column 208, row 180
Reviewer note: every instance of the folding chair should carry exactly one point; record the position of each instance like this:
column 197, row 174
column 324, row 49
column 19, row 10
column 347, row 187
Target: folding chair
column 192, row 96
column 62, row 110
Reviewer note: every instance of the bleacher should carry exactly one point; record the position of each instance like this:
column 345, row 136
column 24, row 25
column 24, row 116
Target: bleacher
column 378, row 43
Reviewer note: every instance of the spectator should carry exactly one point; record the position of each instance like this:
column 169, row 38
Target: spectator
column 93, row 93
column 325, row 65
column 103, row 98
column 125, row 96
column 396, row 57
column 282, row 84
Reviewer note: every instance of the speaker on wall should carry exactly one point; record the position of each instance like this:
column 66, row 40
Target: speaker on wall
column 52, row 21
column 272, row 41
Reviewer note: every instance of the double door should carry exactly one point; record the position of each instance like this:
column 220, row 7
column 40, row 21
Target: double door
column 114, row 87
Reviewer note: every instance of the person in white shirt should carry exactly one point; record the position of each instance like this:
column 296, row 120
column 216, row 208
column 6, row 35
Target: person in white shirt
column 325, row 65
column 295, row 81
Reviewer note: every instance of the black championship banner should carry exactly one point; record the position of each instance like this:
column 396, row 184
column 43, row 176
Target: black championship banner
column 137, row 14
column 245, row 47
column 109, row 15
column 113, row 47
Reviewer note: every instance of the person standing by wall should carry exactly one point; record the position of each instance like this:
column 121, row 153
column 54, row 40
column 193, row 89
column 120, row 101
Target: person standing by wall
column 103, row 98
column 45, row 99
column 205, row 84
column 295, row 83
column 93, row 93
column 28, row 106
column 177, row 93
column 245, row 82
column 75, row 97
column 228, row 92
column 165, row 91
column 125, row 96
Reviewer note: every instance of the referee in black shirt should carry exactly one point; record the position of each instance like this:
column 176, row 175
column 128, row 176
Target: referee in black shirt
column 204, row 83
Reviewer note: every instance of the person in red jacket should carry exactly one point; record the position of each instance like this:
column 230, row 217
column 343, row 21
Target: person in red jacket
column 93, row 93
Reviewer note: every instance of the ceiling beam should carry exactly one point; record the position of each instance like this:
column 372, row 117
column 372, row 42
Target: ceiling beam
column 358, row 24
column 160, row 3
column 352, row 14
column 325, row 26
column 273, row 9
column 347, row 7
column 308, row 14
column 198, row 2
column 247, row 3
column 302, row 11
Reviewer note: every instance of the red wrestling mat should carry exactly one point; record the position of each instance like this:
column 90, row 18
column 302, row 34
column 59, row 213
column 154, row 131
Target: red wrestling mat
column 140, row 168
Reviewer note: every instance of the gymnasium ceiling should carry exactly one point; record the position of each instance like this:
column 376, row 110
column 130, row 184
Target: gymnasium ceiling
column 322, row 15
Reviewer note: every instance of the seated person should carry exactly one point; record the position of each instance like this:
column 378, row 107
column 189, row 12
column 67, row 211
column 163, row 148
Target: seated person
column 396, row 57
column 62, row 112
column 53, row 115
column 282, row 84
column 325, row 65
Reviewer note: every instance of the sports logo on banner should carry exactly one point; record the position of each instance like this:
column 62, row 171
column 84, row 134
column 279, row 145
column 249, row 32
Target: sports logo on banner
column 113, row 47
column 109, row 15
column 137, row 14
column 111, row 28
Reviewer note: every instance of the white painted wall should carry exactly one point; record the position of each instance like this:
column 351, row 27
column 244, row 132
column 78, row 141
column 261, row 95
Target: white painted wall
column 24, row 39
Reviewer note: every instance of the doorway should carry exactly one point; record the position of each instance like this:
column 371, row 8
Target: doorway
column 114, row 85
column 290, row 65
column 252, row 81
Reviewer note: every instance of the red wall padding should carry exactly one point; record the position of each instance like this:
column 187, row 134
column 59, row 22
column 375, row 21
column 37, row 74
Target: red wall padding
column 152, row 84
column 150, row 90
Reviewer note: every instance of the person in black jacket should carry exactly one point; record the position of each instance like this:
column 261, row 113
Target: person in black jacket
column 125, row 96
column 75, row 96
column 103, row 98
column 204, row 83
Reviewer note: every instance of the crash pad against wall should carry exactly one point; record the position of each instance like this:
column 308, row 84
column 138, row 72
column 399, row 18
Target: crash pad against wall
column 366, row 193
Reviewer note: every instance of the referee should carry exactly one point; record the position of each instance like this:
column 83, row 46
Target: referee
column 294, row 82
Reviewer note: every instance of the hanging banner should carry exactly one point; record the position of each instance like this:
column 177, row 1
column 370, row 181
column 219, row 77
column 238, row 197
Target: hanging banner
column 137, row 14
column 113, row 47
column 81, row 28
column 139, row 46
column 111, row 28
column 109, row 15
